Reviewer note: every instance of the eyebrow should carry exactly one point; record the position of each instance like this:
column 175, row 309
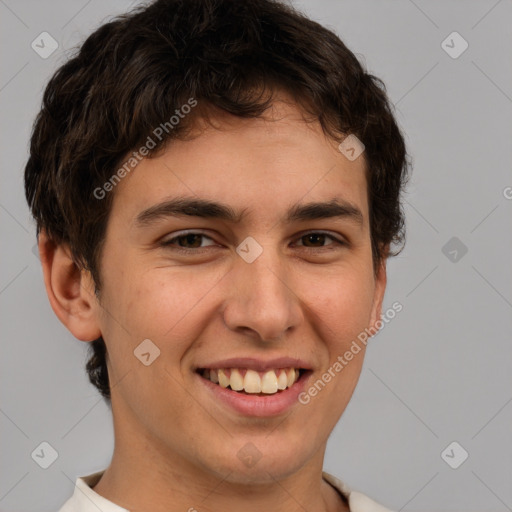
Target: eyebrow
column 197, row 207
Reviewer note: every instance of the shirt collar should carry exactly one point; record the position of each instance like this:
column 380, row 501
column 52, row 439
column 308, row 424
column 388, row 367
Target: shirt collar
column 85, row 499
column 357, row 501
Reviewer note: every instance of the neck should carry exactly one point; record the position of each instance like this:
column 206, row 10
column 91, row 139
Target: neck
column 147, row 474
column 141, row 478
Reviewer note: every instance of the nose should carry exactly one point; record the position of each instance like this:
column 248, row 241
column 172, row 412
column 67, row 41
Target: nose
column 263, row 302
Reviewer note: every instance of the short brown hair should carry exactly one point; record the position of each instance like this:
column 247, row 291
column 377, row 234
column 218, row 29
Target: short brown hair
column 133, row 72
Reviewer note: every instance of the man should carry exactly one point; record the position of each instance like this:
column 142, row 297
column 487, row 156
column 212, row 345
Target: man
column 216, row 186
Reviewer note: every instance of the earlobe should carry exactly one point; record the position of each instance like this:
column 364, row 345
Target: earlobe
column 70, row 290
column 378, row 297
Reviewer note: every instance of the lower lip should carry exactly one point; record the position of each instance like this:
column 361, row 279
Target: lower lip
column 254, row 405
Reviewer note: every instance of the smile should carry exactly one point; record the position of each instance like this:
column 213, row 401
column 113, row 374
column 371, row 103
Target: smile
column 249, row 381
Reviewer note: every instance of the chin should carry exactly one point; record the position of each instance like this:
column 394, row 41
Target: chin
column 258, row 462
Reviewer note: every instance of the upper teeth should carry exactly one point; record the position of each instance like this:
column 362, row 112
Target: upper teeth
column 251, row 381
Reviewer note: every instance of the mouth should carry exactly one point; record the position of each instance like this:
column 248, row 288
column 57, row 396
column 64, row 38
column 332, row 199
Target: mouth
column 246, row 381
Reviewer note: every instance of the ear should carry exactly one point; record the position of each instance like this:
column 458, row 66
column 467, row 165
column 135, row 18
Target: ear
column 70, row 290
column 380, row 289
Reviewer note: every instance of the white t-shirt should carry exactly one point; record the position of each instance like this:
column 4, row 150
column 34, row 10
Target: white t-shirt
column 84, row 499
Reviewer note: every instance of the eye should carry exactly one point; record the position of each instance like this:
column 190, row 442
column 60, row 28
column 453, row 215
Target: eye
column 191, row 241
column 192, row 238
column 319, row 237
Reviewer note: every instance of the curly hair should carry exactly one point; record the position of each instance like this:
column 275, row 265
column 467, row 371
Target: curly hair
column 230, row 55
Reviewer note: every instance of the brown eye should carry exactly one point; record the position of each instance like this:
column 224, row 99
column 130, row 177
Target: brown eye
column 191, row 239
column 187, row 241
column 316, row 240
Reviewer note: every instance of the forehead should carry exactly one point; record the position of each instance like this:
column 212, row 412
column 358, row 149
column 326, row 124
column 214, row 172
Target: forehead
column 258, row 166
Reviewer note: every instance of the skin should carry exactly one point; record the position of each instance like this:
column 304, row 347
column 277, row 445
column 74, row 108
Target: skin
column 175, row 448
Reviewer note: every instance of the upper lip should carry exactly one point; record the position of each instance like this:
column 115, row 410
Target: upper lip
column 258, row 365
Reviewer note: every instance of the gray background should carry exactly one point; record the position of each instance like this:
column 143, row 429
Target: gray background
column 441, row 371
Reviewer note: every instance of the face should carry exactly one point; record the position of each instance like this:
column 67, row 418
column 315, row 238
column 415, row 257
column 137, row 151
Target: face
column 301, row 287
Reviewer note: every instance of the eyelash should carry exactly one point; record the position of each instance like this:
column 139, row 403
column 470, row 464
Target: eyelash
column 168, row 243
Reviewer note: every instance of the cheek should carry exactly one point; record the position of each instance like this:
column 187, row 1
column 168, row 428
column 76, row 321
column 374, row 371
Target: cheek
column 342, row 309
column 165, row 308
column 166, row 305
column 342, row 305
